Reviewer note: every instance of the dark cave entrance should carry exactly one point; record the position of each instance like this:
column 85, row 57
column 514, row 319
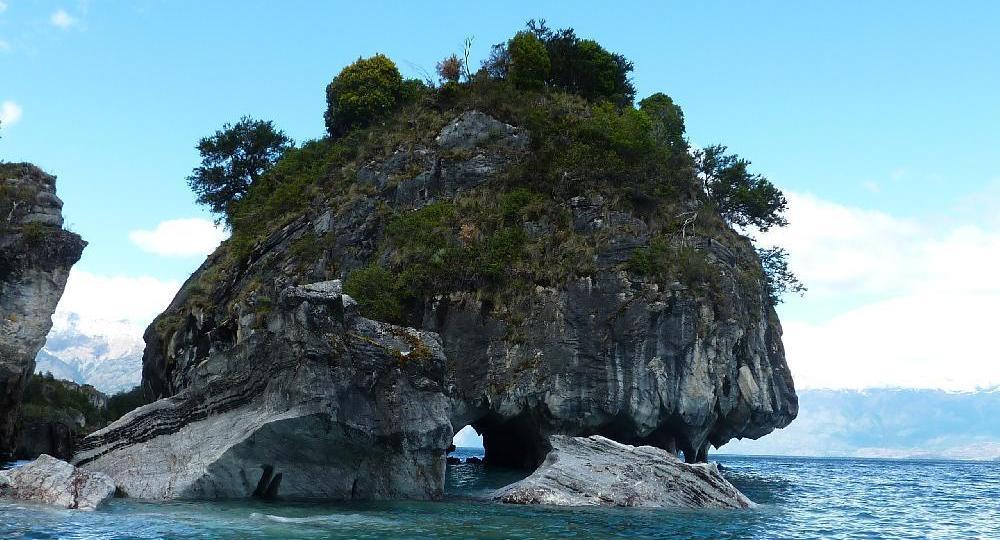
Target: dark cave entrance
column 510, row 451
column 514, row 443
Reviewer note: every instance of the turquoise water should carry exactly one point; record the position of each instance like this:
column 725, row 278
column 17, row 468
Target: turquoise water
column 799, row 498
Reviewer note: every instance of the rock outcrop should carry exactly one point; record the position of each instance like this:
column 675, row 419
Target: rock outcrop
column 55, row 415
column 595, row 471
column 578, row 342
column 48, row 480
column 314, row 402
column 36, row 254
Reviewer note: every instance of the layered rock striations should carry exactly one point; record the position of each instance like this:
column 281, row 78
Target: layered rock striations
column 36, row 254
column 529, row 314
column 313, row 401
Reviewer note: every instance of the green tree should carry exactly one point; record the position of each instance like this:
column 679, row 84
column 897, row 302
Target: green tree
column 584, row 67
column 363, row 91
column 529, row 61
column 778, row 278
column 667, row 119
column 743, row 199
column 234, row 158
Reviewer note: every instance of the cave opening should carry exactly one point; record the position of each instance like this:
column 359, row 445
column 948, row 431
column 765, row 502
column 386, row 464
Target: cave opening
column 487, row 455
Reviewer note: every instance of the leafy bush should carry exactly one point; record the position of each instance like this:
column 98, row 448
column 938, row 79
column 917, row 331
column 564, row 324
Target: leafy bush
column 233, row 159
column 529, row 61
column 667, row 120
column 664, row 260
column 584, row 67
column 375, row 290
column 519, row 202
column 628, row 132
column 362, row 92
column 35, row 233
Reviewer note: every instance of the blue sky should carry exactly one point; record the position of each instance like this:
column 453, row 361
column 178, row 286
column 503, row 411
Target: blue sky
column 879, row 120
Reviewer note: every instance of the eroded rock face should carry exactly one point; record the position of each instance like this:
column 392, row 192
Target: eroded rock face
column 617, row 357
column 312, row 401
column 595, row 471
column 35, row 258
column 48, row 480
column 606, row 352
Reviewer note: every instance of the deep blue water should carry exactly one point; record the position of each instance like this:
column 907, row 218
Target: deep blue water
column 799, row 498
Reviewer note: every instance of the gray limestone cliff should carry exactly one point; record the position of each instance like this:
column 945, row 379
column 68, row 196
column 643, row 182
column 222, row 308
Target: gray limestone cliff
column 36, row 254
column 529, row 314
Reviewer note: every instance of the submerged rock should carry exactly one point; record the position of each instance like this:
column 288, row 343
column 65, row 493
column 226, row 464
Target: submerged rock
column 36, row 254
column 314, row 402
column 590, row 471
column 48, row 480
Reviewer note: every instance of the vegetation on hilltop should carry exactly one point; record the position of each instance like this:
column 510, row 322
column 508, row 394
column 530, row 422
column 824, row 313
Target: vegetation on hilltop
column 46, row 397
column 586, row 138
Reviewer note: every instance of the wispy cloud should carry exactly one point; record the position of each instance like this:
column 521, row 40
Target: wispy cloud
column 3, row 6
column 4, row 46
column 180, row 238
column 96, row 298
column 10, row 113
column 62, row 19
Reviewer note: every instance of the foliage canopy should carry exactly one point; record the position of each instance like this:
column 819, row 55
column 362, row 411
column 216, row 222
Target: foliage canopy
column 234, row 158
column 363, row 91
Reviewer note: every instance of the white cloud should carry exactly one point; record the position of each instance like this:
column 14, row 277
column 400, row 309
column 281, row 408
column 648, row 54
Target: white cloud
column 62, row 19
column 136, row 300
column 10, row 113
column 3, row 6
column 935, row 293
column 180, row 238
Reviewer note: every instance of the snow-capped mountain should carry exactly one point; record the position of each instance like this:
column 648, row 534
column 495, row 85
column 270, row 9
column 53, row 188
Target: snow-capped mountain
column 888, row 423
column 105, row 354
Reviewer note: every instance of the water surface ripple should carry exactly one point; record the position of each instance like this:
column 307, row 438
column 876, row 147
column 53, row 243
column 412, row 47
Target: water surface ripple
column 798, row 498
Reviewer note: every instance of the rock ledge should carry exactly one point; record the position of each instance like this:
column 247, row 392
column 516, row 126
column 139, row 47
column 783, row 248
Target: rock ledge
column 595, row 471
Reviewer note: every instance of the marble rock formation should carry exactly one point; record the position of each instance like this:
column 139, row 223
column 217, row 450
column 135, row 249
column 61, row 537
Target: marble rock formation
column 313, row 402
column 592, row 471
column 246, row 355
column 36, row 254
column 48, row 480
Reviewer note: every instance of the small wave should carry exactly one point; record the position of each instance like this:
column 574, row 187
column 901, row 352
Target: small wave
column 340, row 519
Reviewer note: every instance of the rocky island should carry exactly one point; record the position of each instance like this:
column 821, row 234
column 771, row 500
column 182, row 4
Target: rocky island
column 36, row 254
column 521, row 249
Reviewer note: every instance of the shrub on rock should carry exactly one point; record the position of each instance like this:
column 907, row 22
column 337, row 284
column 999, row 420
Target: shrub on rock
column 362, row 92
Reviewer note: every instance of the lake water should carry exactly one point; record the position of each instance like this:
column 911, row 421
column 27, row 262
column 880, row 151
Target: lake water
column 798, row 498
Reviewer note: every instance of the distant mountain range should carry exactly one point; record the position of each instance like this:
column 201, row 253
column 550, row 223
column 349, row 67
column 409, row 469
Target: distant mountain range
column 876, row 423
column 105, row 354
column 889, row 423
